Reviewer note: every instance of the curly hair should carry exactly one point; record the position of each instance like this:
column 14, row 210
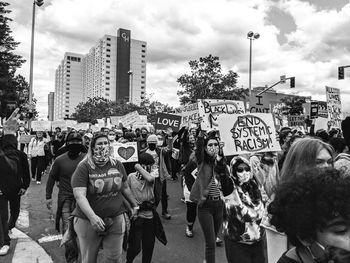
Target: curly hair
column 305, row 203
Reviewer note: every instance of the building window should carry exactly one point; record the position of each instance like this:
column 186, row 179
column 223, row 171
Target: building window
column 142, row 87
column 68, row 66
column 142, row 71
column 67, row 110
column 107, row 72
column 108, row 50
column 68, row 71
column 142, row 77
column 108, row 39
column 108, row 61
column 142, row 82
column 107, row 94
column 143, row 51
column 143, row 45
column 108, row 66
column 107, row 77
column 107, row 83
column 143, row 61
column 108, row 45
column 108, row 56
column 107, row 88
column 67, row 75
column 67, row 84
column 143, row 56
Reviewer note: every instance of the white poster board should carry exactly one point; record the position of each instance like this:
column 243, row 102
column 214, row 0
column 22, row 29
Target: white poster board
column 321, row 123
column 334, row 106
column 130, row 118
column 126, row 152
column 189, row 113
column 71, row 123
column 248, row 133
column 210, row 110
column 82, row 126
column 115, row 120
column 59, row 123
column 41, row 125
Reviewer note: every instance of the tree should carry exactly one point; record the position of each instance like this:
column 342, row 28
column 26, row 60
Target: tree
column 206, row 81
column 293, row 105
column 93, row 109
column 13, row 89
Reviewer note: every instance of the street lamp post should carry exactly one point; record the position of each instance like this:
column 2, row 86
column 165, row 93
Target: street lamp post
column 38, row 3
column 131, row 74
column 251, row 36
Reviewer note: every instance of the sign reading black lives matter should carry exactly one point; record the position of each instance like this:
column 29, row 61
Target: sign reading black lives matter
column 248, row 133
column 209, row 110
column 165, row 121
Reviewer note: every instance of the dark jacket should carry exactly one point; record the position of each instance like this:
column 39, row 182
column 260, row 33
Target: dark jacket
column 14, row 167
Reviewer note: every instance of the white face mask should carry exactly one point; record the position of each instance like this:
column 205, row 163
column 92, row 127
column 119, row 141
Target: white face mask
column 21, row 128
column 243, row 177
column 111, row 137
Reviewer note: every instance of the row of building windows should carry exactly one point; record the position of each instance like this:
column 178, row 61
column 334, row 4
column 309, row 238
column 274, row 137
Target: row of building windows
column 73, row 59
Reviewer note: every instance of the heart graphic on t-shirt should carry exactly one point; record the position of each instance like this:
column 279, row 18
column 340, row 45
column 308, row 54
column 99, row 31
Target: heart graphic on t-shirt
column 126, row 153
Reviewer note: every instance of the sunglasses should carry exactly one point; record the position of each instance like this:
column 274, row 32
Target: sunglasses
column 212, row 144
column 241, row 169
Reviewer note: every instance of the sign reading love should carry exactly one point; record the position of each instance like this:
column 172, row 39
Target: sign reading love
column 125, row 152
column 165, row 121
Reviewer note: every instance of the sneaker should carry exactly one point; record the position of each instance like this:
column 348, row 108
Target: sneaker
column 218, row 242
column 189, row 232
column 166, row 216
column 38, row 182
column 4, row 250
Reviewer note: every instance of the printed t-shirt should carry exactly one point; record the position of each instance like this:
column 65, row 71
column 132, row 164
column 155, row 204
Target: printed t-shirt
column 103, row 185
column 142, row 190
column 155, row 166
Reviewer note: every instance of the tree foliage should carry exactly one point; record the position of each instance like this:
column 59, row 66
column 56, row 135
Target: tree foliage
column 14, row 90
column 207, row 81
column 293, row 105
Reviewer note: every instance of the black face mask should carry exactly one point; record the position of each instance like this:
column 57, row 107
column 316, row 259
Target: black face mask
column 152, row 146
column 74, row 150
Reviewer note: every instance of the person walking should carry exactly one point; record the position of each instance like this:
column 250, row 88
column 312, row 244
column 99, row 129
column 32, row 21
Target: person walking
column 212, row 181
column 61, row 172
column 99, row 187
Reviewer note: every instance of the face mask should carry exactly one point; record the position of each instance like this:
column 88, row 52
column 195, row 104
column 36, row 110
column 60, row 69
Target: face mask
column 152, row 146
column 101, row 154
column 160, row 143
column 243, row 177
column 111, row 138
column 74, row 150
column 213, row 151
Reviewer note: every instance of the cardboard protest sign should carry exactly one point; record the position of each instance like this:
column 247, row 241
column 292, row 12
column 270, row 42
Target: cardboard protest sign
column 248, row 133
column 296, row 120
column 115, row 120
column 41, row 125
column 165, row 121
column 189, row 113
column 126, row 152
column 322, row 109
column 59, row 123
column 209, row 110
column 314, row 110
column 25, row 138
column 334, row 106
column 130, row 118
column 321, row 123
column 82, row 126
column 71, row 123
column 143, row 119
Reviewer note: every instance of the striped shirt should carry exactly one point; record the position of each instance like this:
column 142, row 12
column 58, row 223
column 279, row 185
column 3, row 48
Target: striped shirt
column 214, row 190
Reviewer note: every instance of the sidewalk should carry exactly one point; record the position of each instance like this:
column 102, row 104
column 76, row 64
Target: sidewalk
column 25, row 250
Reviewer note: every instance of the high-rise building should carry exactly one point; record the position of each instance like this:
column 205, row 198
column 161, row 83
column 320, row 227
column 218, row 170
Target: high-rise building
column 115, row 69
column 68, row 86
column 51, row 98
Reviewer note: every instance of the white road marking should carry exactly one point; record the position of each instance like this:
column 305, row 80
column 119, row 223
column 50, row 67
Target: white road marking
column 49, row 238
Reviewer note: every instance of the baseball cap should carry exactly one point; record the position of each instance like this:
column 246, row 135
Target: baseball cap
column 74, row 136
column 152, row 139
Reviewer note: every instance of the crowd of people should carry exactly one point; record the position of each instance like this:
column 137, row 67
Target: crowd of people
column 300, row 193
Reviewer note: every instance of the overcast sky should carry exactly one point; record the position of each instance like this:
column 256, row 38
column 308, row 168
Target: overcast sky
column 307, row 39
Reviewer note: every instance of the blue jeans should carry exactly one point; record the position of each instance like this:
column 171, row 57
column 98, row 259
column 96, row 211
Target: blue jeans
column 210, row 217
column 90, row 241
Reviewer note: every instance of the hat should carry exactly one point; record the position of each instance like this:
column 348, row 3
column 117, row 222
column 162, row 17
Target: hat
column 73, row 136
column 146, row 159
column 89, row 135
column 152, row 139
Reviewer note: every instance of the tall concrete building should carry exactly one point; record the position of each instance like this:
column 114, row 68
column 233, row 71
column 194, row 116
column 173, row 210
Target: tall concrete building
column 115, row 69
column 68, row 85
column 51, row 98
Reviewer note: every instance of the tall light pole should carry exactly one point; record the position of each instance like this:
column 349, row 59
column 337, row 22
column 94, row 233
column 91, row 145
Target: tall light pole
column 38, row 3
column 251, row 36
column 131, row 74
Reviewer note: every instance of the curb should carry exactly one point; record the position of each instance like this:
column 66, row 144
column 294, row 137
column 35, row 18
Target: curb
column 27, row 250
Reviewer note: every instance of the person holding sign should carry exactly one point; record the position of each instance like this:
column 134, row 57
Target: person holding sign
column 36, row 154
column 212, row 181
column 244, row 210
column 99, row 187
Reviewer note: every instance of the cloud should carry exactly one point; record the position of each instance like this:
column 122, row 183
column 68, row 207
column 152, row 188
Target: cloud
column 177, row 31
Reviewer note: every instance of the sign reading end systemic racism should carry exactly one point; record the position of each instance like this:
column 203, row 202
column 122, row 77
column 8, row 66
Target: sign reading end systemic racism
column 248, row 133
column 165, row 121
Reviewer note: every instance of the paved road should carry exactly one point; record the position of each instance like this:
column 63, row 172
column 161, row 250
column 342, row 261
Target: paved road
column 179, row 248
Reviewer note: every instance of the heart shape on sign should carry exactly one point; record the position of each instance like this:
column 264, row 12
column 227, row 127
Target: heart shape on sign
column 126, row 153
